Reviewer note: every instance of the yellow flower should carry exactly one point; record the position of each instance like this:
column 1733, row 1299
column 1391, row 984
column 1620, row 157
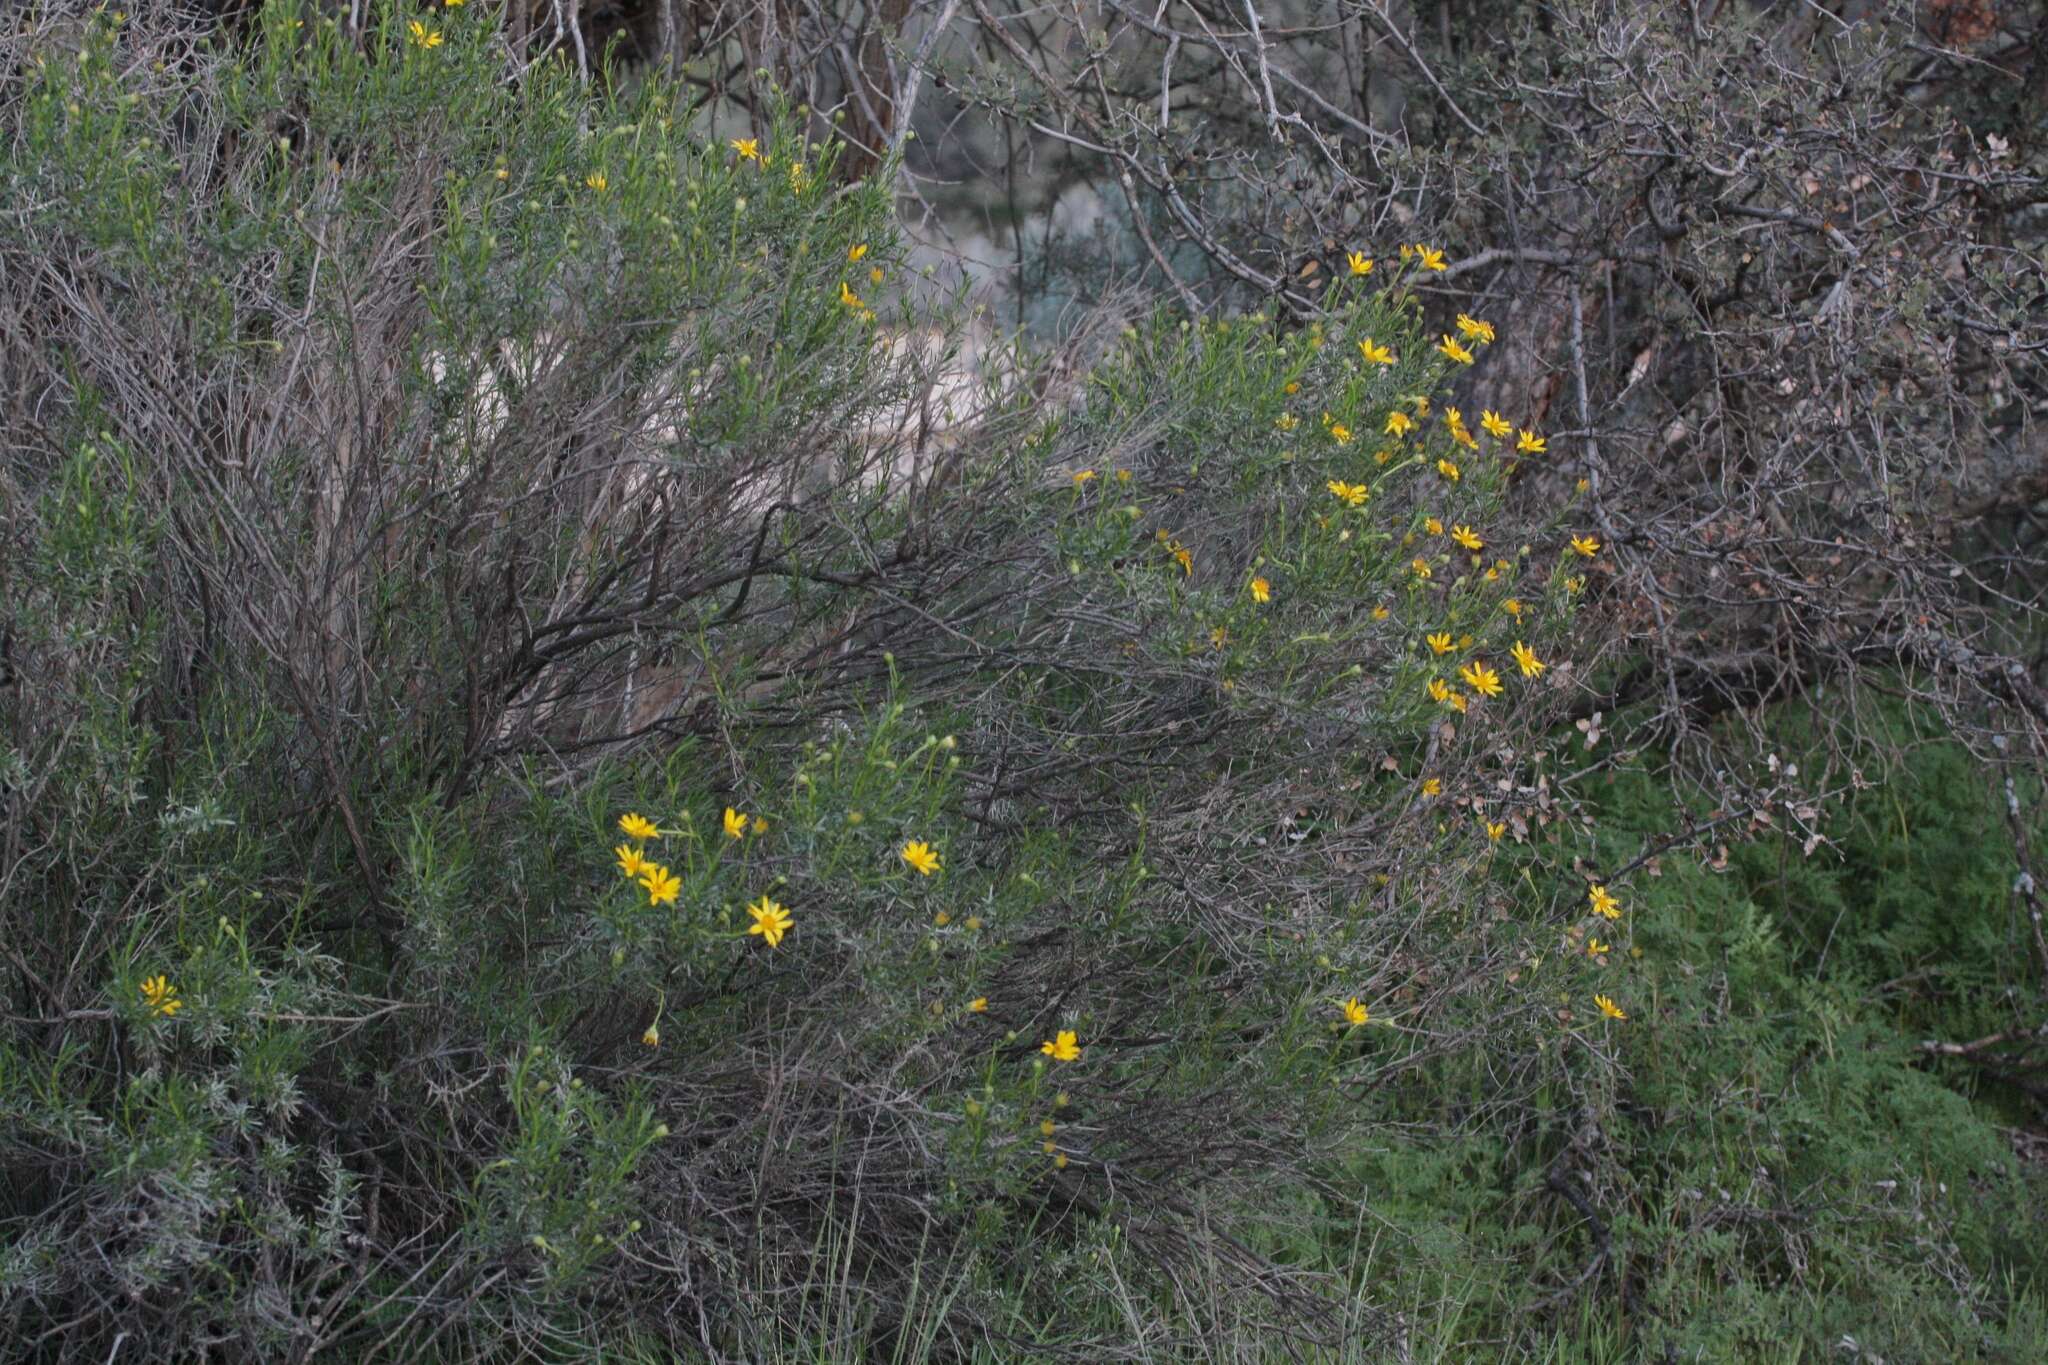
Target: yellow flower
column 798, row 177
column 1586, row 545
column 1350, row 494
column 1457, row 702
column 771, row 921
column 1604, row 903
column 1459, row 433
column 1082, row 476
column 631, row 864
column 1360, row 263
column 1262, row 591
column 1420, row 402
column 760, row 826
column 1440, row 642
column 637, row 828
column 1526, row 658
column 1398, row 423
column 848, row 297
column 1495, row 424
column 1286, row 421
column 1406, row 251
column 1340, row 433
column 161, row 997
column 1184, row 559
column 454, row 4
column 1496, row 828
column 920, row 856
column 1063, row 1047
column 1375, row 355
column 661, row 884
column 855, row 252
column 1467, row 537
column 1475, row 329
column 1575, row 585
column 748, row 148
column 1512, row 607
column 1433, row 526
column 596, row 181
column 1454, row 351
column 735, row 823
column 1123, row 476
column 1355, row 1014
column 1291, row 387
column 1432, row 786
column 1595, row 948
column 1530, row 442
column 942, row 919
column 1439, row 690
column 422, row 36
column 1420, row 566
column 1481, row 679
column 1381, row 612
column 978, row 1005
column 1432, row 259
column 653, row 1035
column 1609, row 1008
column 1447, row 469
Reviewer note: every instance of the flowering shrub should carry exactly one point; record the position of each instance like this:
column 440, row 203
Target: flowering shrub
column 550, row 807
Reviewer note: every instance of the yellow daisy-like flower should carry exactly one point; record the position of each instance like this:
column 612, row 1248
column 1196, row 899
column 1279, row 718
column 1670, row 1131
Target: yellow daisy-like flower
column 1432, row 259
column 1467, row 537
column 748, row 148
column 1375, row 355
column 1184, row 558
column 1575, row 586
column 735, row 823
column 1062, row 1047
column 848, row 297
column 1350, row 494
column 661, row 885
column 636, row 827
column 921, row 856
column 1459, row 434
column 760, row 826
column 1440, row 642
column 1496, row 828
column 1262, row 591
column 1531, row 443
column 1360, row 263
column 1286, row 421
column 161, row 997
column 1082, row 476
column 1433, row 526
column 771, row 921
column 1399, row 424
column 1603, row 902
column 1496, row 425
column 1420, row 402
column 1526, row 659
column 631, row 864
column 1457, row 701
column 978, row 1005
column 1291, row 387
column 1474, row 329
column 1439, row 690
column 1340, row 433
column 1381, row 612
column 1609, row 1008
column 1481, row 679
column 1448, row 470
column 1586, row 545
column 1454, row 350
column 596, row 181
column 422, row 36
column 1432, row 786
column 1595, row 948
column 856, row 251
column 1355, row 1014
column 1420, row 566
column 1512, row 607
